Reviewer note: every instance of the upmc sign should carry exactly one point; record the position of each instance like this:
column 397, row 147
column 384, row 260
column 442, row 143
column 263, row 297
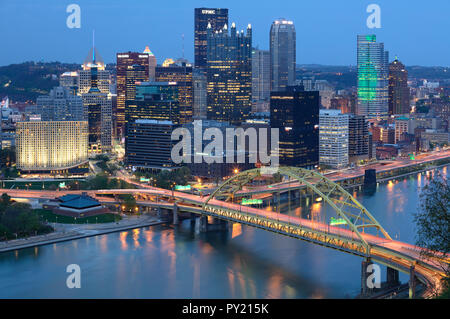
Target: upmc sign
column 209, row 11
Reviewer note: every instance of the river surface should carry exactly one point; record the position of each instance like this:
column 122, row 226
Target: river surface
column 167, row 262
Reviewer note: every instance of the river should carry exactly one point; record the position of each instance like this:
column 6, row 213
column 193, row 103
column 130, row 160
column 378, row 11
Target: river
column 167, row 262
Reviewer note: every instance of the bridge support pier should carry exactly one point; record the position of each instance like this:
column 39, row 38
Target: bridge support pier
column 175, row 214
column 158, row 212
column 193, row 217
column 392, row 277
column 216, row 225
column 412, row 282
column 203, row 224
column 365, row 290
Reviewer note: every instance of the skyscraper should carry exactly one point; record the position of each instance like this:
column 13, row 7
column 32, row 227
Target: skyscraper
column 151, row 64
column 229, row 74
column 181, row 76
column 154, row 100
column 199, row 95
column 148, row 144
column 60, row 105
column 372, row 64
column 93, row 69
column 333, row 139
column 217, row 19
column 128, row 72
column 295, row 113
column 260, row 79
column 398, row 88
column 282, row 54
column 358, row 138
column 97, row 102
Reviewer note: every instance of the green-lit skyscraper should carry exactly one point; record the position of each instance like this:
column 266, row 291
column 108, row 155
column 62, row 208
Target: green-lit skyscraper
column 373, row 78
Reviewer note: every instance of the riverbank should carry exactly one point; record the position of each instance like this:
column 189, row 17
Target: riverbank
column 67, row 232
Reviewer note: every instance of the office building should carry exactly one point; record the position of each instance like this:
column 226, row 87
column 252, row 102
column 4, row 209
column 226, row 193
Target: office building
column 340, row 103
column 295, row 113
column 282, row 54
column 181, row 77
column 70, row 80
column 154, row 100
column 60, row 105
column 333, row 139
column 373, row 78
column 229, row 74
column 217, row 19
column 401, row 126
column 51, row 145
column 151, row 64
column 94, row 89
column 131, row 67
column 93, row 69
column 260, row 75
column 398, row 88
column 148, row 144
column 358, row 138
column 212, row 166
column 199, row 103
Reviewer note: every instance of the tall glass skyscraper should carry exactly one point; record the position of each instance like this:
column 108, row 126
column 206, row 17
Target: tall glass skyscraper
column 229, row 74
column 398, row 88
column 373, row 78
column 131, row 67
column 260, row 75
column 181, row 76
column 282, row 54
column 295, row 112
column 217, row 19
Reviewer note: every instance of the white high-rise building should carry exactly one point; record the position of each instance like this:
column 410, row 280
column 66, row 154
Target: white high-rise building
column 333, row 138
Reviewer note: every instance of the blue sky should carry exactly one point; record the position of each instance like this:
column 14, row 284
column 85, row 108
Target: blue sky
column 416, row 31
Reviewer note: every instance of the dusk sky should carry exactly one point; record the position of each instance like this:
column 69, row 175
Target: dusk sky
column 415, row 30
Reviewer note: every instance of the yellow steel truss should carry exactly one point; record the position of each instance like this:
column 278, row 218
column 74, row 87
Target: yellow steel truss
column 343, row 203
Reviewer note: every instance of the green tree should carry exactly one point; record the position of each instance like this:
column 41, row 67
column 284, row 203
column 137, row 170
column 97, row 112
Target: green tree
column 433, row 220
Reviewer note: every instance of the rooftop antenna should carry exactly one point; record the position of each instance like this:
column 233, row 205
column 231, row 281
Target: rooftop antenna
column 93, row 46
column 182, row 46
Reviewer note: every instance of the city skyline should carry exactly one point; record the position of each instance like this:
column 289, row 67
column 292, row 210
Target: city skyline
column 224, row 150
column 320, row 21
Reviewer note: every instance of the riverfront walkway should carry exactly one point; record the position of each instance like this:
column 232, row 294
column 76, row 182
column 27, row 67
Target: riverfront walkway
column 66, row 232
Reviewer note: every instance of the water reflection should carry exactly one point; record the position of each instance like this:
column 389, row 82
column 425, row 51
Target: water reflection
column 175, row 262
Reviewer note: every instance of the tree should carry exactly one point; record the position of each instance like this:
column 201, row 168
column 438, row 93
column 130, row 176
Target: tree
column 5, row 201
column 433, row 220
column 128, row 201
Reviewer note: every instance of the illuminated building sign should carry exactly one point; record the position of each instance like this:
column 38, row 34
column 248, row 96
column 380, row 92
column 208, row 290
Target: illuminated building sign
column 337, row 221
column 208, row 11
column 251, row 201
column 182, row 187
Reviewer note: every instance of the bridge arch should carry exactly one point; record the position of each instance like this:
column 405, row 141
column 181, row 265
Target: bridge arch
column 343, row 203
